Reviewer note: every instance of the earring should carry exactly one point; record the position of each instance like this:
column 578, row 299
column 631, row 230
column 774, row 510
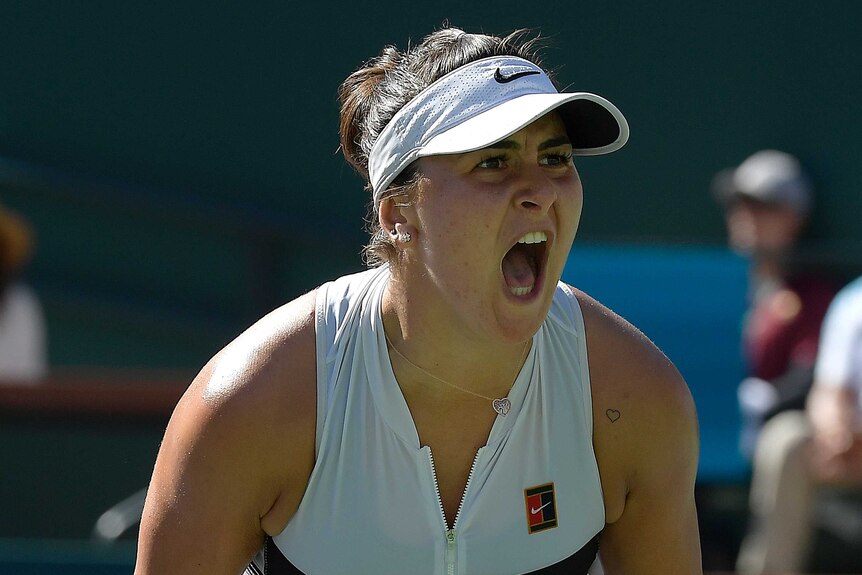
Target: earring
column 405, row 237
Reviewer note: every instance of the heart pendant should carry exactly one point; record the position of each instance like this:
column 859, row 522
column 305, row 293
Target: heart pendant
column 502, row 406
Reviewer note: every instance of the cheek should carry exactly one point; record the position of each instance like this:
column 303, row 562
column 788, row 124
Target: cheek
column 460, row 240
column 460, row 216
column 456, row 251
column 572, row 209
column 741, row 225
column 579, row 206
column 777, row 234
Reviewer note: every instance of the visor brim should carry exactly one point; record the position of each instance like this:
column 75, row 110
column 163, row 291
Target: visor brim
column 594, row 125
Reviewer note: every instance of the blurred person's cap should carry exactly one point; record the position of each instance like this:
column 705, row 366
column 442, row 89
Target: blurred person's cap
column 16, row 242
column 767, row 176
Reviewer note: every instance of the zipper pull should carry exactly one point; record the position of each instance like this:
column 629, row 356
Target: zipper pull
column 450, row 551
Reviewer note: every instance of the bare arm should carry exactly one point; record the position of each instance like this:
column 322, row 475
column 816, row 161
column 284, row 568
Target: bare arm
column 657, row 532
column 832, row 405
column 647, row 450
column 237, row 451
column 833, row 413
column 837, row 453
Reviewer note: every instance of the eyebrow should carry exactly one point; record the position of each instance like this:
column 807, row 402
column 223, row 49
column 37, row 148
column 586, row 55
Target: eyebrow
column 513, row 145
column 555, row 142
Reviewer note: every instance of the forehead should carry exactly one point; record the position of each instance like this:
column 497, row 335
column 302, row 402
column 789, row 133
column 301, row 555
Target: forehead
column 763, row 210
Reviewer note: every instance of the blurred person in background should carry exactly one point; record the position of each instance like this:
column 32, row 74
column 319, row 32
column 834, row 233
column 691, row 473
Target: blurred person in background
column 23, row 356
column 767, row 201
column 800, row 451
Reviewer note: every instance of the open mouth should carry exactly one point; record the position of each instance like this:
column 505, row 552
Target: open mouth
column 523, row 264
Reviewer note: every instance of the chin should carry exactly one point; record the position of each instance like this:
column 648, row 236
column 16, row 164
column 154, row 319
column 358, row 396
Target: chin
column 523, row 323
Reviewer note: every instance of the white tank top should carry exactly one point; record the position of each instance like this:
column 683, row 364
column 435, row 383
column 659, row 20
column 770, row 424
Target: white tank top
column 533, row 501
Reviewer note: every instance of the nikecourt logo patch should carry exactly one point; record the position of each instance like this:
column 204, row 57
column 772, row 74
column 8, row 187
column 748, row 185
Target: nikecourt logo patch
column 541, row 507
column 505, row 79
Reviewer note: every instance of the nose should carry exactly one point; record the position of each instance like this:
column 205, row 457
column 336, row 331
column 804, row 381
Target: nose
column 537, row 193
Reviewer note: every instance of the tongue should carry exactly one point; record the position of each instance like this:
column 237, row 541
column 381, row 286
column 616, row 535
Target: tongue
column 518, row 268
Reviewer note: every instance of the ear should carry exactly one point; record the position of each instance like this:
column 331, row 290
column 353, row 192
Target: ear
column 388, row 214
column 393, row 218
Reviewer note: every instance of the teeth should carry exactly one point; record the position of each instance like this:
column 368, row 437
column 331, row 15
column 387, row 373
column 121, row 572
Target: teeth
column 528, row 238
column 533, row 238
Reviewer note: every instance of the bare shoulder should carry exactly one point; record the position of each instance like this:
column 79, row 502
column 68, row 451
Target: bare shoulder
column 271, row 360
column 260, row 391
column 643, row 411
column 645, row 439
column 624, row 362
column 238, row 450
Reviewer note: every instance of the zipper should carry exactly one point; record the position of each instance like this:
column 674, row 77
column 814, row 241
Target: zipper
column 451, row 534
column 450, row 552
column 437, row 490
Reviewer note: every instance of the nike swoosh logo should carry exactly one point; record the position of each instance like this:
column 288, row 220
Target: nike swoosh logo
column 506, row 79
column 533, row 510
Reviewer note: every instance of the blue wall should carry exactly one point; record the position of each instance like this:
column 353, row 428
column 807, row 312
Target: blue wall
column 690, row 302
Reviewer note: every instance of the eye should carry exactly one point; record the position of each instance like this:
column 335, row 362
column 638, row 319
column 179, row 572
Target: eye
column 493, row 162
column 557, row 159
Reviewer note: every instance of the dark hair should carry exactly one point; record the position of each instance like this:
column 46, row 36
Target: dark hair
column 373, row 94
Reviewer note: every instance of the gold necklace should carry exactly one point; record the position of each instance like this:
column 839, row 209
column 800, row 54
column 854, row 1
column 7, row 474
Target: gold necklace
column 501, row 405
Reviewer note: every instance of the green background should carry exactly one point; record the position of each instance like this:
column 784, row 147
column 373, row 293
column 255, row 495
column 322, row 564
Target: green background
column 236, row 101
column 179, row 163
column 186, row 169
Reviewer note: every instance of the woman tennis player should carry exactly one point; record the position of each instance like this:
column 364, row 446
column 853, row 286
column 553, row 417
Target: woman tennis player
column 455, row 408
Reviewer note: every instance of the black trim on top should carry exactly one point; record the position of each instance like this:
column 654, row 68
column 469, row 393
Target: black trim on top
column 575, row 564
column 275, row 563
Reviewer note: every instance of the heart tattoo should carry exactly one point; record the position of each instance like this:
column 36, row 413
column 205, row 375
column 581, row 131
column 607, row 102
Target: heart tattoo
column 613, row 415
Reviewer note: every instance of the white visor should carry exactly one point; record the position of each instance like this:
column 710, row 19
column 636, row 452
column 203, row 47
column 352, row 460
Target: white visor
column 481, row 103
